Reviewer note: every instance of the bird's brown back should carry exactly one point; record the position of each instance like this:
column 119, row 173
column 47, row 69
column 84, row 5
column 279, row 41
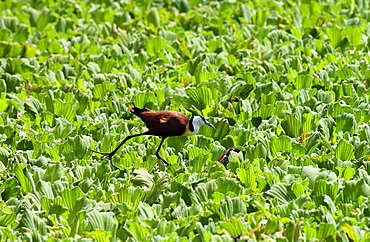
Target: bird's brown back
column 162, row 123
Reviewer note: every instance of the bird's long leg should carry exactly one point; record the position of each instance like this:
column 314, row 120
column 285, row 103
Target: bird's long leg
column 111, row 154
column 157, row 152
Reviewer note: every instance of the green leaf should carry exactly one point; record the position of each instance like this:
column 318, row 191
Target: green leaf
column 155, row 45
column 33, row 106
column 354, row 35
column 354, row 189
column 55, row 47
column 143, row 100
column 3, row 89
column 279, row 144
column 303, row 82
column 99, row 235
column 292, row 231
column 99, row 220
column 14, row 51
column 70, row 197
column 62, row 128
column 136, row 230
column 182, row 5
column 54, row 172
column 11, row 189
column 233, row 207
column 44, row 189
column 248, row 177
column 153, row 17
column 234, row 227
column 346, row 122
column 24, row 178
column 257, row 151
column 350, row 232
column 4, row 34
column 4, row 156
column 32, row 222
column 344, row 151
column 165, row 227
column 226, row 185
column 204, row 191
column 95, row 69
column 64, row 109
column 8, row 219
column 291, row 125
column 336, row 35
column 200, row 97
column 222, row 128
column 327, row 125
column 142, row 177
column 12, row 82
column 278, row 35
column 326, row 231
column 122, row 17
column 81, row 143
column 310, row 123
column 282, row 192
column 215, row 46
column 128, row 195
column 261, row 17
column 240, row 90
column 312, row 142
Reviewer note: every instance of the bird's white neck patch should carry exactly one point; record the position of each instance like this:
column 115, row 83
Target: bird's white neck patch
column 194, row 125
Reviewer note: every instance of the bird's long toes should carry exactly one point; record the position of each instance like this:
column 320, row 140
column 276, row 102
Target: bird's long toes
column 106, row 154
column 95, row 151
column 101, row 153
column 164, row 161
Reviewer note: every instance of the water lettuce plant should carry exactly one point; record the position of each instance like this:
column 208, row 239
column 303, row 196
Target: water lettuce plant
column 284, row 82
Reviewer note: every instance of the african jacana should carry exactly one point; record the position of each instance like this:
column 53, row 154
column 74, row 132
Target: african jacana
column 163, row 124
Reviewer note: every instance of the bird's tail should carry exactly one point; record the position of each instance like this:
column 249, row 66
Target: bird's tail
column 136, row 111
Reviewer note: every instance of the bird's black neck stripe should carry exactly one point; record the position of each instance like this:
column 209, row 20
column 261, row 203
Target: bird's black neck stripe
column 191, row 126
column 204, row 120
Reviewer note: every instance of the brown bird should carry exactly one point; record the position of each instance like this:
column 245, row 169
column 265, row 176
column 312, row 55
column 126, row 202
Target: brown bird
column 163, row 124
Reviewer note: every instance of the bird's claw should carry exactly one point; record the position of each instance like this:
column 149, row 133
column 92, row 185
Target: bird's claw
column 115, row 167
column 106, row 155
column 164, row 161
column 109, row 155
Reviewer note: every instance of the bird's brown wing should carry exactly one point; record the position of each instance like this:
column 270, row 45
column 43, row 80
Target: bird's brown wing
column 164, row 123
column 164, row 120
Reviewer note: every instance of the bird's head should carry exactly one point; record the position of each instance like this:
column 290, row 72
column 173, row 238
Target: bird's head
column 196, row 121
